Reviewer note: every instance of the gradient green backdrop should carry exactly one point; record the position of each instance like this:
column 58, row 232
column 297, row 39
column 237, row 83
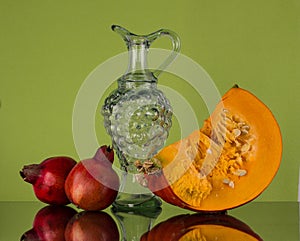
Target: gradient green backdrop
column 48, row 48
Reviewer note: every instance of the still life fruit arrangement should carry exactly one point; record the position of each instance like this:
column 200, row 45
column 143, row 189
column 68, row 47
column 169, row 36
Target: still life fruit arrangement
column 228, row 162
column 225, row 164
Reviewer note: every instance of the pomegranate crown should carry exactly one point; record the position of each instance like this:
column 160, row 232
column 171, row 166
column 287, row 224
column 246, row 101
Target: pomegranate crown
column 105, row 153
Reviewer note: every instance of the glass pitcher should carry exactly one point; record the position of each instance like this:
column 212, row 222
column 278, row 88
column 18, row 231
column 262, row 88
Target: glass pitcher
column 137, row 115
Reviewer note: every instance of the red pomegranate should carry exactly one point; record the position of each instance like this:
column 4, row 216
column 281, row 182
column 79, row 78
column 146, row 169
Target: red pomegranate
column 49, row 224
column 93, row 184
column 48, row 179
column 92, row 226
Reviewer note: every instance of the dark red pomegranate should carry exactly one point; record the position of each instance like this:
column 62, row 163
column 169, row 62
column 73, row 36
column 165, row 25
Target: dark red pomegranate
column 92, row 226
column 49, row 224
column 48, row 179
column 93, row 184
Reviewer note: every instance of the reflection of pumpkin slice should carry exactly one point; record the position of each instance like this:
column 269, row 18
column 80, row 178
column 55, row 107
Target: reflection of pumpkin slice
column 215, row 232
column 200, row 227
column 226, row 163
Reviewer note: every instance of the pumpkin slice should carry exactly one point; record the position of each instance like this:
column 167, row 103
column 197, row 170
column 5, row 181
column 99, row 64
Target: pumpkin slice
column 200, row 227
column 225, row 164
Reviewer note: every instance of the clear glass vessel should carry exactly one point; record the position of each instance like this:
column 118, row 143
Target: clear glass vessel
column 138, row 116
column 134, row 223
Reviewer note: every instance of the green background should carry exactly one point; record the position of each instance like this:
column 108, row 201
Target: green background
column 48, row 48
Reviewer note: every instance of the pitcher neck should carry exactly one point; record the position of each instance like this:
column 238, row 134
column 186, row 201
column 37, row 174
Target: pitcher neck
column 138, row 46
column 138, row 67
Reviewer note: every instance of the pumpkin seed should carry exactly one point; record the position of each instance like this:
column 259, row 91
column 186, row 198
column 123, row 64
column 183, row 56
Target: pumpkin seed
column 244, row 131
column 229, row 182
column 236, row 132
column 245, row 147
column 246, row 127
column 240, row 172
column 226, row 181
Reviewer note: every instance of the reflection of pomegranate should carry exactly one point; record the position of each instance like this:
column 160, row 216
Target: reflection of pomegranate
column 49, row 224
column 201, row 227
column 92, row 226
column 48, row 179
column 92, row 184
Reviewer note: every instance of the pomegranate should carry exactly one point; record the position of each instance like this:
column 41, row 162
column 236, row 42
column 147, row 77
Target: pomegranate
column 92, row 226
column 30, row 235
column 93, row 184
column 48, row 179
column 49, row 224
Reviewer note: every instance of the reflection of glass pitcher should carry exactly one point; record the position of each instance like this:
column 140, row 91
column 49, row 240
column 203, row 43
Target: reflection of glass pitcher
column 137, row 115
column 134, row 223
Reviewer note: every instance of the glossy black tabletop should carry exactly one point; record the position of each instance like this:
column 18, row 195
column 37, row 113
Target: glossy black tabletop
column 269, row 221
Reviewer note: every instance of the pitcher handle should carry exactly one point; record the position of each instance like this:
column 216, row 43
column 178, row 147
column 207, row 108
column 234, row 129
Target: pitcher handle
column 176, row 48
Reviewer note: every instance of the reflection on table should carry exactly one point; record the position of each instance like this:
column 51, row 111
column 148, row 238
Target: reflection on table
column 254, row 221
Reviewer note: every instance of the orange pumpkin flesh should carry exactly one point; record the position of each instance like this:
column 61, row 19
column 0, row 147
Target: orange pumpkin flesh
column 201, row 228
column 227, row 163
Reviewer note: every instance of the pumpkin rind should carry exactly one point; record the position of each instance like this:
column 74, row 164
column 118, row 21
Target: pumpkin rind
column 259, row 152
